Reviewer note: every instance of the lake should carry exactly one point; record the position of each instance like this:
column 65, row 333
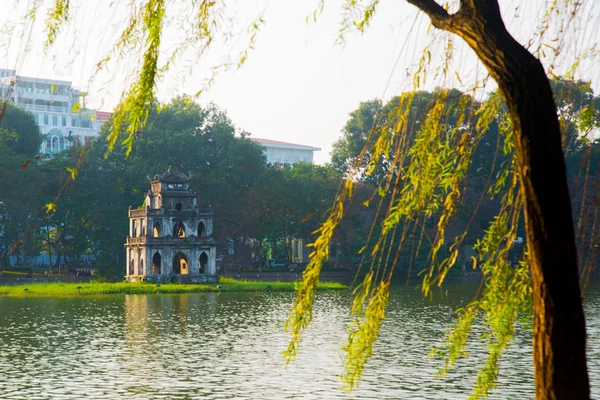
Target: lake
column 228, row 346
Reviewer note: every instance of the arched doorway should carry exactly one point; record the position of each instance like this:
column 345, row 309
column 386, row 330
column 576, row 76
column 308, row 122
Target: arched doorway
column 201, row 229
column 180, row 264
column 203, row 263
column 55, row 141
column 156, row 229
column 156, row 261
column 179, row 229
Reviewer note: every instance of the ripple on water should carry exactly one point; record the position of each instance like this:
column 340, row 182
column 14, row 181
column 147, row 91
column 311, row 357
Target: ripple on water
column 228, row 346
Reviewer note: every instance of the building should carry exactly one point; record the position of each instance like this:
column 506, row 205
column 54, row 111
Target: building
column 58, row 108
column 282, row 153
column 170, row 237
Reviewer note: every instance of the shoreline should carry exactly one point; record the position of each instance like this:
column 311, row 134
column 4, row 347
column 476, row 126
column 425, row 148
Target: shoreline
column 228, row 285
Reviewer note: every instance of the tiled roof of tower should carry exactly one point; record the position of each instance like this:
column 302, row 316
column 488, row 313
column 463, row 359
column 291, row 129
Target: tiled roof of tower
column 273, row 143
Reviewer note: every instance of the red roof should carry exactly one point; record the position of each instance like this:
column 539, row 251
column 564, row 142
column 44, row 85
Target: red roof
column 277, row 142
column 103, row 115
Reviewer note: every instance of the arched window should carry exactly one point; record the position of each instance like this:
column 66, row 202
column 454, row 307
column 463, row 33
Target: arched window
column 203, row 263
column 156, row 229
column 179, row 229
column 131, row 264
column 178, row 206
column 133, row 228
column 156, row 261
column 201, row 229
column 141, row 267
column 180, row 264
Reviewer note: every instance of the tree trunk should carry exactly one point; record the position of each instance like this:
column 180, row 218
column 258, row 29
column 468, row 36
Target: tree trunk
column 559, row 323
column 50, row 260
column 49, row 250
column 57, row 263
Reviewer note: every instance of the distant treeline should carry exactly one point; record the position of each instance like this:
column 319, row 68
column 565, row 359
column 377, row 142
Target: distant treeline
column 76, row 202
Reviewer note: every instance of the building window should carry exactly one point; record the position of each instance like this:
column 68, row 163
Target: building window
column 74, row 121
column 55, row 120
column 45, row 119
column 64, row 120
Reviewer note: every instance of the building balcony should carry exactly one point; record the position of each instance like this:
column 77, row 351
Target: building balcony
column 35, row 107
column 144, row 212
column 169, row 240
column 154, row 212
column 44, row 95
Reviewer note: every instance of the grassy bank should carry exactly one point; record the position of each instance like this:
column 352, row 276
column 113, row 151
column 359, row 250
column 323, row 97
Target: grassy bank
column 97, row 288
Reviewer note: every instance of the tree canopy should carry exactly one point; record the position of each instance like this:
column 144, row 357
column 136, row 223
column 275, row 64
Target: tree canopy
column 255, row 204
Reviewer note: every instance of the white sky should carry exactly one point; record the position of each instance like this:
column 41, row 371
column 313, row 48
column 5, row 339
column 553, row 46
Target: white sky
column 297, row 85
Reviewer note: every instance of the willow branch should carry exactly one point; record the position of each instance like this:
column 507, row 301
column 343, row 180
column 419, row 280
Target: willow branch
column 462, row 22
column 438, row 14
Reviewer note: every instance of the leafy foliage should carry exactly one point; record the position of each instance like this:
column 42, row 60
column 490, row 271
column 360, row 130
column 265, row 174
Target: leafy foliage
column 365, row 326
column 446, row 149
column 19, row 131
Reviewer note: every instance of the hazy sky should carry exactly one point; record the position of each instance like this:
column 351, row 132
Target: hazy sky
column 297, row 85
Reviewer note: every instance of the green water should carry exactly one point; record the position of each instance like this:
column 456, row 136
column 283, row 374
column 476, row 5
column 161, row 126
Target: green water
column 228, row 346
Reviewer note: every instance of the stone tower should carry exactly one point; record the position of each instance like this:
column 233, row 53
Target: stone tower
column 170, row 237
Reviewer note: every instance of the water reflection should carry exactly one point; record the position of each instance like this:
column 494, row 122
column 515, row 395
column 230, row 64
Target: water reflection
column 215, row 346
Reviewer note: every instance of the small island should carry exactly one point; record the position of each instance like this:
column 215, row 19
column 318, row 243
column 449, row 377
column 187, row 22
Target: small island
column 60, row 289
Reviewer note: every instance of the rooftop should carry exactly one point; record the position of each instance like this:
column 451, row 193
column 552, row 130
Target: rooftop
column 277, row 143
column 103, row 115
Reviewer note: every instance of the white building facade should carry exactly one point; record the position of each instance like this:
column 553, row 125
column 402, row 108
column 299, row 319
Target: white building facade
column 59, row 110
column 282, row 153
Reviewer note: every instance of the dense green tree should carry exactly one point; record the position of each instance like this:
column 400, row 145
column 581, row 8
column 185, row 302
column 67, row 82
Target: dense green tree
column 20, row 204
column 307, row 193
column 19, row 130
column 355, row 135
column 20, row 182
column 252, row 201
column 373, row 120
column 534, row 131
